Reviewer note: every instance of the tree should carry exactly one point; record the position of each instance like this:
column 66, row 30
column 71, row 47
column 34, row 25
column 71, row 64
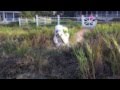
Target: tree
column 26, row 14
column 40, row 13
column 47, row 13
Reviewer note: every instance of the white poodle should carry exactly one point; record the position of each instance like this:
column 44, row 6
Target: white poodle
column 61, row 36
column 89, row 22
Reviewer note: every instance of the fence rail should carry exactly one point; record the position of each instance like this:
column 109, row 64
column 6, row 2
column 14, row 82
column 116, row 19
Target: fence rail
column 49, row 20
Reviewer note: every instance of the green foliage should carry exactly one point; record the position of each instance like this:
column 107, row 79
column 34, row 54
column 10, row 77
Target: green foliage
column 83, row 63
column 47, row 13
column 102, row 50
column 97, row 57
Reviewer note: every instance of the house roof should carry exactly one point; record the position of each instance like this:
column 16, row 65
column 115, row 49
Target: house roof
column 10, row 11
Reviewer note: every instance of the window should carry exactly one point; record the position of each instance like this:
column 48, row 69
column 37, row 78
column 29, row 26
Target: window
column 1, row 18
column 9, row 16
column 16, row 15
column 89, row 12
column 114, row 13
column 83, row 12
column 119, row 13
column 103, row 13
column 94, row 12
column 99, row 13
column 109, row 12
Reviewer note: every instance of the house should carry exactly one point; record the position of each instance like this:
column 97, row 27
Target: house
column 101, row 15
column 9, row 16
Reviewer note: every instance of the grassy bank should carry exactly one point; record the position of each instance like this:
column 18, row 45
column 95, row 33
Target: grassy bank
column 29, row 53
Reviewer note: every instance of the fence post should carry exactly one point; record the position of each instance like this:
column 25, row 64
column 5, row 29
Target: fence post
column 19, row 22
column 82, row 19
column 45, row 20
column 26, row 20
column 58, row 19
column 117, row 14
column 37, row 23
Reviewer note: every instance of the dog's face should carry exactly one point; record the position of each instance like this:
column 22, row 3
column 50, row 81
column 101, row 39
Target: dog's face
column 61, row 36
column 59, row 30
column 89, row 22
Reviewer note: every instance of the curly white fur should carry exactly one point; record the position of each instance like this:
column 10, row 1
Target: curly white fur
column 89, row 22
column 61, row 36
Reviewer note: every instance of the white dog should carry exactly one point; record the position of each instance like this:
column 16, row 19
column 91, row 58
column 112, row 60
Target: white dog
column 89, row 22
column 61, row 36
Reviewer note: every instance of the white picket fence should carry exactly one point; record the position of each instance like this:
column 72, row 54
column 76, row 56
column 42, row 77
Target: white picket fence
column 38, row 20
column 47, row 20
column 25, row 21
column 43, row 20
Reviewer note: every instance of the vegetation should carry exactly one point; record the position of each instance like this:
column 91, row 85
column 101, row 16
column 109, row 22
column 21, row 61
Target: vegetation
column 99, row 56
column 47, row 13
column 29, row 52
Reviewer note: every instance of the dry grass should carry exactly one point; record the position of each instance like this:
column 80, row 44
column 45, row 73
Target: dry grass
column 30, row 54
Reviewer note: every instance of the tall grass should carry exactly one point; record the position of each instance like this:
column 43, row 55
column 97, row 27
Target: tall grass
column 97, row 57
column 83, row 63
column 102, row 51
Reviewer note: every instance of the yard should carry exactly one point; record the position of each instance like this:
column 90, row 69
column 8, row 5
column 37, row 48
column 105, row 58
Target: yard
column 29, row 53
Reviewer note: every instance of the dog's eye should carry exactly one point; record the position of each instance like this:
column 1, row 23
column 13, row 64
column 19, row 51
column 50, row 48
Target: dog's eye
column 86, row 19
column 56, row 31
column 93, row 19
column 86, row 23
column 91, row 23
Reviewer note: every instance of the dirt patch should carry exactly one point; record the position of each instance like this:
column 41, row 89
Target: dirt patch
column 79, row 36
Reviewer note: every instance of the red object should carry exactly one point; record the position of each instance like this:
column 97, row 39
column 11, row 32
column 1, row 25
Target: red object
column 91, row 17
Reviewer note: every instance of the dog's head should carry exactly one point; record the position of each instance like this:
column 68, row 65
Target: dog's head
column 59, row 29
column 88, row 22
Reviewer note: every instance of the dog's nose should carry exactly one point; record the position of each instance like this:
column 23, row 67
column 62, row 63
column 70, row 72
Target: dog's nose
column 56, row 31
